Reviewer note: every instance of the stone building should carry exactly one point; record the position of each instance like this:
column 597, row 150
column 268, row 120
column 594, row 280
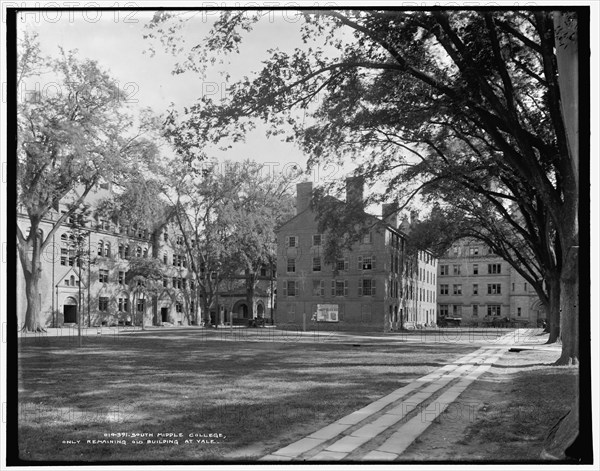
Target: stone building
column 377, row 286
column 478, row 286
column 98, row 286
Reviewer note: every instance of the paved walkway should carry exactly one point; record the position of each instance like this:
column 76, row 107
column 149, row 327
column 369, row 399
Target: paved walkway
column 382, row 430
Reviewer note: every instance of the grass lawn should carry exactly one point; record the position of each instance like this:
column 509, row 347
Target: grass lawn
column 259, row 395
column 505, row 415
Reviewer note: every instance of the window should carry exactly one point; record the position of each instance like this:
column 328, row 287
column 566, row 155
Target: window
column 518, row 312
column 145, row 252
column 444, row 270
column 179, row 241
column 316, row 266
column 141, row 304
column 165, row 236
column 475, row 310
column 107, row 249
column 178, row 306
column 292, row 241
column 165, row 282
column 475, row 269
column 341, row 264
column 179, row 261
column 473, row 251
column 367, row 238
column 525, row 287
column 104, row 224
column 494, row 268
column 339, row 287
column 121, row 251
column 493, row 309
column 177, row 282
column 103, row 276
column 289, row 288
column 263, row 271
column 165, row 258
column 103, row 304
column 316, row 239
column 318, row 288
column 456, row 269
column 475, row 289
column 69, row 219
column 192, row 285
column 100, row 248
column 494, row 288
column 443, row 289
column 138, row 252
column 513, row 286
column 455, row 250
column 67, row 282
column 291, row 265
column 457, row 289
column 456, row 310
column 366, row 263
column 366, row 287
column 443, row 310
column 121, row 278
column 126, row 255
column 64, row 257
column 123, row 305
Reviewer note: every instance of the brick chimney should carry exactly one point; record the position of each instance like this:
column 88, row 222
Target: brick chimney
column 354, row 192
column 389, row 213
column 303, row 196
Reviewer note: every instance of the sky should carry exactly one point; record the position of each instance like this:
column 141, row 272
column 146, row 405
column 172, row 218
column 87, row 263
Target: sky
column 116, row 40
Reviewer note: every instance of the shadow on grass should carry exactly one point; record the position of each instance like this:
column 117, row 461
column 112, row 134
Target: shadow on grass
column 259, row 396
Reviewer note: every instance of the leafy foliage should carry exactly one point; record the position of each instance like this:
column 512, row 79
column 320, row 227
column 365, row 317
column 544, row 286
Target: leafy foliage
column 70, row 136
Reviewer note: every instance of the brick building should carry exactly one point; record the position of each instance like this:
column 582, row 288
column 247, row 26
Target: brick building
column 478, row 286
column 100, row 288
column 378, row 286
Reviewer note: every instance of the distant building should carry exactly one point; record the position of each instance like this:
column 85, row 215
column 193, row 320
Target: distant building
column 478, row 286
column 378, row 286
column 100, row 290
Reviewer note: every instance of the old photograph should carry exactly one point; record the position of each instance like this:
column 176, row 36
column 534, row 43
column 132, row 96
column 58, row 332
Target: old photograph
column 299, row 234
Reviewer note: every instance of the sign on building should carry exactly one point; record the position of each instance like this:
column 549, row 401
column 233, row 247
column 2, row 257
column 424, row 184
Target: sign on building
column 327, row 313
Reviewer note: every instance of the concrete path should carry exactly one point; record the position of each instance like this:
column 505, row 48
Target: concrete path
column 382, row 430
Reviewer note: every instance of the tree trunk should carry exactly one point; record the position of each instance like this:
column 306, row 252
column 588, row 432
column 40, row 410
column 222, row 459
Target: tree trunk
column 250, row 295
column 569, row 307
column 32, row 315
column 155, row 310
column 32, row 272
column 553, row 281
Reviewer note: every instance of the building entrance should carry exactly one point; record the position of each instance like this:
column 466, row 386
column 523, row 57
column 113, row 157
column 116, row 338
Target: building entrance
column 70, row 311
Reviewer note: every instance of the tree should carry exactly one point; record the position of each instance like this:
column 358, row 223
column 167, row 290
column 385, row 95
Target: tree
column 227, row 215
column 69, row 137
column 140, row 202
column 407, row 79
column 145, row 276
column 263, row 202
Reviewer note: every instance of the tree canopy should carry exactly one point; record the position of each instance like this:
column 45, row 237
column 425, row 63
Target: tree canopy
column 72, row 134
column 416, row 98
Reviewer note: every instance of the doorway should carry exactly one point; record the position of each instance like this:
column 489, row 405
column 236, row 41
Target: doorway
column 164, row 314
column 70, row 311
column 70, row 314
